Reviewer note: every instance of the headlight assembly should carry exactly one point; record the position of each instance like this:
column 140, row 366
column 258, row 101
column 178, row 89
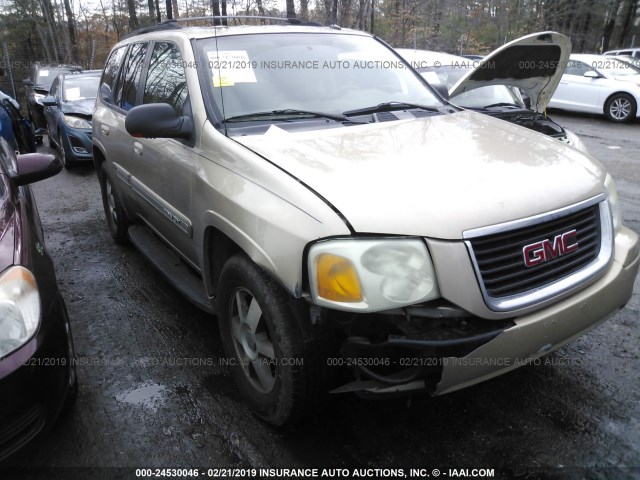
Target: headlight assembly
column 614, row 202
column 19, row 308
column 371, row 275
column 76, row 122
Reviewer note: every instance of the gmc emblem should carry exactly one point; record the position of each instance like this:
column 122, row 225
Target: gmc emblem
column 540, row 252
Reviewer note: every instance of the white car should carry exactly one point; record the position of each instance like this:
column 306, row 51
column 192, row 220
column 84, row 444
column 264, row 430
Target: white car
column 491, row 86
column 601, row 85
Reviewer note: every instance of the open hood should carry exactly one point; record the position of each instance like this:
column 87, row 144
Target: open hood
column 533, row 63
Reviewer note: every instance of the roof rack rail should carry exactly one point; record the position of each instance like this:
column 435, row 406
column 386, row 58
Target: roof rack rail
column 289, row 20
column 172, row 24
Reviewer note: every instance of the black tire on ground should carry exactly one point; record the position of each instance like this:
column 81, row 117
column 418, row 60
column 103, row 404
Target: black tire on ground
column 116, row 217
column 36, row 138
column 620, row 107
column 271, row 363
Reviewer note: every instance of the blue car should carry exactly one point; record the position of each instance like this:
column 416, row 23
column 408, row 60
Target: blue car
column 15, row 128
column 68, row 110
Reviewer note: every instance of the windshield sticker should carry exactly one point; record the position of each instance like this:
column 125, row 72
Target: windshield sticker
column 44, row 73
column 222, row 82
column 231, row 67
column 72, row 93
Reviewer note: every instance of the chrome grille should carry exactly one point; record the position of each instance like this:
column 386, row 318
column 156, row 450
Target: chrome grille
column 499, row 257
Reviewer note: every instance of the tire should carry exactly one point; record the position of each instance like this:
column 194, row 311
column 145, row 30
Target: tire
column 116, row 217
column 66, row 161
column 265, row 345
column 620, row 107
column 36, row 138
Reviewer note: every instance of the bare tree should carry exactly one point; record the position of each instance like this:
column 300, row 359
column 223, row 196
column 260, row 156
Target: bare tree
column 133, row 18
column 304, row 10
column 291, row 9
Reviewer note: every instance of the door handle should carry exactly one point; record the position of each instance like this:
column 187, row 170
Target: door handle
column 137, row 147
column 104, row 129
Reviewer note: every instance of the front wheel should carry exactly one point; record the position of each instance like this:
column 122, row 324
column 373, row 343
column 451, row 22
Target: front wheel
column 66, row 161
column 620, row 107
column 263, row 342
column 116, row 217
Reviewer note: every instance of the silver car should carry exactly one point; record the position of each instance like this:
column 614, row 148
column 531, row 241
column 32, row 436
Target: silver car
column 352, row 230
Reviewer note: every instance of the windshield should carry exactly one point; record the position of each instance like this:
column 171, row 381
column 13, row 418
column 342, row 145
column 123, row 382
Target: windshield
column 476, row 98
column 315, row 72
column 46, row 76
column 618, row 68
column 80, row 88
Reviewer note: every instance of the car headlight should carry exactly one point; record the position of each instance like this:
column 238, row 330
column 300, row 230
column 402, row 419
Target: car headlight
column 76, row 122
column 614, row 202
column 37, row 97
column 19, row 308
column 371, row 275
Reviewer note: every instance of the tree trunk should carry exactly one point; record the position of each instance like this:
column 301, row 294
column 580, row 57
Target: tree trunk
column 40, row 32
column 48, row 15
column 73, row 37
column 291, row 9
column 629, row 17
column 158, row 16
column 168, row 7
column 304, row 10
column 151, row 9
column 260, row 7
column 361, row 11
column 114, row 19
column 174, row 4
column 133, row 18
column 215, row 5
column 609, row 25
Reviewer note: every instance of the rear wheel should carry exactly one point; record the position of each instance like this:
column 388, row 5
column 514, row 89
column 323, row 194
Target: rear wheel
column 620, row 107
column 269, row 360
column 116, row 217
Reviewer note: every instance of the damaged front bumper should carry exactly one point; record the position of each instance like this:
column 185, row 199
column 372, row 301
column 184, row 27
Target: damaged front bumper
column 424, row 356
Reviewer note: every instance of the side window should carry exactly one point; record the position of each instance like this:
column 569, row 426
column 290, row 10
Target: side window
column 132, row 70
column 166, row 80
column 110, row 73
column 55, row 90
column 577, row 68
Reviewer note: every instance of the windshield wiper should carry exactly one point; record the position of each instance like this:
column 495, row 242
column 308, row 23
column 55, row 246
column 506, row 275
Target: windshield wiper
column 288, row 112
column 505, row 104
column 387, row 107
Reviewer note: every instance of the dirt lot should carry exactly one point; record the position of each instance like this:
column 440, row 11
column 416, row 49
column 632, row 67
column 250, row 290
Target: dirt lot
column 154, row 393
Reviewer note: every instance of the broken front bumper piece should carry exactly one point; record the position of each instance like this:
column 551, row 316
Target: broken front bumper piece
column 489, row 348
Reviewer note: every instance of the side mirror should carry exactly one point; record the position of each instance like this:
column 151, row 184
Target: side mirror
column 49, row 101
column 27, row 82
column 105, row 93
column 591, row 74
column 33, row 167
column 157, row 120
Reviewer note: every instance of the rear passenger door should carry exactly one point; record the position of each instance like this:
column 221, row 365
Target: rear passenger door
column 164, row 167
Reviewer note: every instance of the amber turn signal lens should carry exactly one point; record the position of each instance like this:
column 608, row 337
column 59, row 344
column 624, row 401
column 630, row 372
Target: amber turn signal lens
column 337, row 279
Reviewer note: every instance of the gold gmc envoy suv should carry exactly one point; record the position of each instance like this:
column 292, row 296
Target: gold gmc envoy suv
column 352, row 230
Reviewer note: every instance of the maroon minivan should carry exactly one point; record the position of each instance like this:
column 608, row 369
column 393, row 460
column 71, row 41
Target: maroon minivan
column 37, row 369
